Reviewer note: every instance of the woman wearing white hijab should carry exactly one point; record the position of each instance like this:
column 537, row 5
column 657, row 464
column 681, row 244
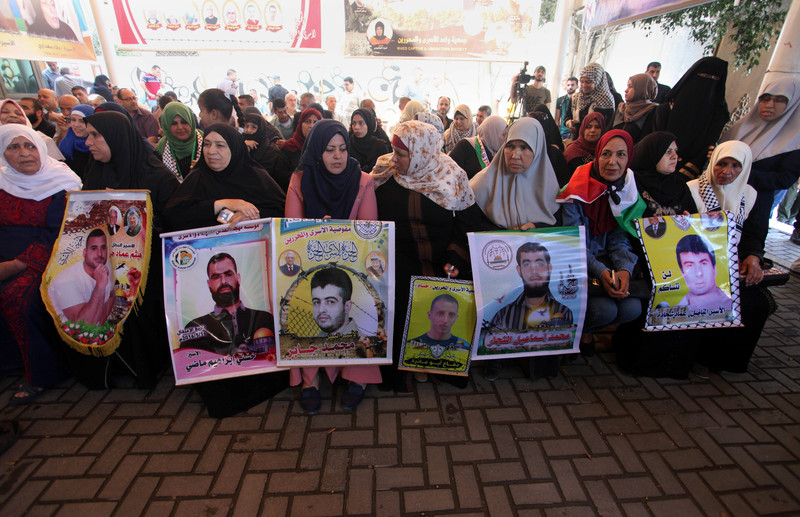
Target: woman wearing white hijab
column 724, row 186
column 12, row 113
column 32, row 201
column 772, row 130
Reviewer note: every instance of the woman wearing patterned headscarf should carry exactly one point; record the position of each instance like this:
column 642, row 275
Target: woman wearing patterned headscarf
column 593, row 95
column 462, row 127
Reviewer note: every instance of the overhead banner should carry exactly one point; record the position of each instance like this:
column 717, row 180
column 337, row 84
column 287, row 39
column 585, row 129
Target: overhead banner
column 481, row 29
column 439, row 326
column 98, row 268
column 335, row 284
column 530, row 291
column 694, row 269
column 219, row 24
column 217, row 301
column 599, row 14
column 46, row 30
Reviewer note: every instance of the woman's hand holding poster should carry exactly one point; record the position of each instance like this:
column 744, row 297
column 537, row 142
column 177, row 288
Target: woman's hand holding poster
column 694, row 271
column 335, row 283
column 530, row 291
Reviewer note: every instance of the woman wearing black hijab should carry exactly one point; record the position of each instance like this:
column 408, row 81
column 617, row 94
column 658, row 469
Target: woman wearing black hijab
column 555, row 145
column 655, row 158
column 695, row 111
column 102, row 87
column 121, row 161
column 264, row 152
column 225, row 177
column 364, row 145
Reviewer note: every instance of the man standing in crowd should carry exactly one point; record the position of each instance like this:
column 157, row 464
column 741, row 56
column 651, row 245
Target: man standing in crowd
column 443, row 108
column 145, row 122
column 291, row 103
column 51, row 74
column 49, row 102
column 64, row 84
column 483, row 112
column 330, row 102
column 350, row 100
column 564, row 107
column 654, row 71
column 81, row 94
column 282, row 121
column 535, row 93
column 277, row 91
column 151, row 84
column 65, row 105
column 33, row 110
column 230, row 85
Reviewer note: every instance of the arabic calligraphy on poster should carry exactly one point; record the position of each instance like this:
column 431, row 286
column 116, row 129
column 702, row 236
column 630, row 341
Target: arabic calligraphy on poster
column 694, row 271
column 217, row 301
column 98, row 268
column 335, row 283
column 439, row 326
column 530, row 291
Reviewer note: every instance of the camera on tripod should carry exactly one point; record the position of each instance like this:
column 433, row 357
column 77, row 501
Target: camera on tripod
column 524, row 77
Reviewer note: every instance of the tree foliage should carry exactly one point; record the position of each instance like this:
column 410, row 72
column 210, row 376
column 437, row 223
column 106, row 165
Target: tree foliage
column 752, row 25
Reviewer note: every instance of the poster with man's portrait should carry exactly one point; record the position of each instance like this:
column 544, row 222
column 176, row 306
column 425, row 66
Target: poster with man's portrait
column 439, row 326
column 98, row 271
column 217, row 301
column 694, row 271
column 530, row 291
column 333, row 309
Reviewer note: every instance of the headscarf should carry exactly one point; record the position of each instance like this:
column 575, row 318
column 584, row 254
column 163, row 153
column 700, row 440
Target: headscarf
column 25, row 121
column 767, row 139
column 600, row 97
column 180, row 149
column 699, row 103
column 243, row 178
column 53, row 176
column 114, row 106
column 260, row 136
column 645, row 89
column 100, row 87
column 491, row 133
column 737, row 197
column 411, row 109
column 430, row 172
column 430, row 118
column 511, row 200
column 452, row 135
column 325, row 193
column 588, row 186
column 551, row 132
column 367, row 149
column 581, row 147
column 71, row 142
column 668, row 190
column 295, row 143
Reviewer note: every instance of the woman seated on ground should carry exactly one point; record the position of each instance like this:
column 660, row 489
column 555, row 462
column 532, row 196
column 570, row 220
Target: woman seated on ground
column 462, row 127
column 582, row 150
column 428, row 197
column 182, row 142
column 73, row 145
column 32, row 201
column 555, row 145
column 518, row 192
column 635, row 115
column 12, row 113
column 264, row 152
column 593, row 96
column 293, row 147
column 475, row 153
column 602, row 197
column 724, row 186
column 226, row 178
column 365, row 147
column 655, row 159
column 121, row 160
column 330, row 184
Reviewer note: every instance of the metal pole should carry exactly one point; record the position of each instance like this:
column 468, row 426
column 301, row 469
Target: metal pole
column 104, row 34
column 563, row 13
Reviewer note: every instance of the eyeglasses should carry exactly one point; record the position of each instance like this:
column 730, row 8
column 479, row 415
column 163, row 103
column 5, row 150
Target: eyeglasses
column 126, row 100
column 777, row 99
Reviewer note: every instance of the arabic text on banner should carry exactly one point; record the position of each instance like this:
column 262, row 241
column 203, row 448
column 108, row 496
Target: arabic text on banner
column 334, row 282
column 530, row 291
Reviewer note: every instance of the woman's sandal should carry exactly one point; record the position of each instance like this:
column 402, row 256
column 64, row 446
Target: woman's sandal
column 30, row 393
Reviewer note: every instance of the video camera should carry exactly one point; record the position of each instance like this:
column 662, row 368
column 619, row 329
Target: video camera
column 524, row 77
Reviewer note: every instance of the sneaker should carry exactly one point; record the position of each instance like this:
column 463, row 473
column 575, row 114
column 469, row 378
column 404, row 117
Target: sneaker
column 310, row 400
column 352, row 397
column 795, row 237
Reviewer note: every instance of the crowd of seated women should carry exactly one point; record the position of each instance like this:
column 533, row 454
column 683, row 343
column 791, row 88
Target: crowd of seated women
column 495, row 178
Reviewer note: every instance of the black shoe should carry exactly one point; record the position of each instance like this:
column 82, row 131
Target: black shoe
column 352, row 397
column 795, row 238
column 310, row 400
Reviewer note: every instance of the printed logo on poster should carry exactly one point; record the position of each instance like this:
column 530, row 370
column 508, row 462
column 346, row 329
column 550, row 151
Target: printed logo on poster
column 183, row 257
column 496, row 255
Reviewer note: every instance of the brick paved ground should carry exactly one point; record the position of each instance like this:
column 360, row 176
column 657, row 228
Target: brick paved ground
column 591, row 442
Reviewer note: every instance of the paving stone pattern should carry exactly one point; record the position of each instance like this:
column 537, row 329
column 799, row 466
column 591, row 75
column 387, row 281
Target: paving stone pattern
column 591, row 442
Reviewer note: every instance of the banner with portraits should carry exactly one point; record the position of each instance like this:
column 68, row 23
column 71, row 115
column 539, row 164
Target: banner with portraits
column 217, row 301
column 694, row 269
column 217, row 24
column 439, row 326
column 334, row 284
column 98, row 268
column 530, row 291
